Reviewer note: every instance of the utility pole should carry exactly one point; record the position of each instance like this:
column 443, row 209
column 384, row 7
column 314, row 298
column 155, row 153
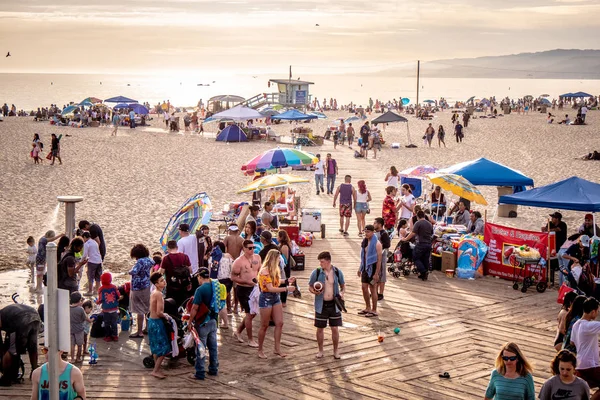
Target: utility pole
column 51, row 327
column 418, row 85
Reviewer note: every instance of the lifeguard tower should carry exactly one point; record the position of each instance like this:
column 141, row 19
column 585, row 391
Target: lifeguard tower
column 290, row 93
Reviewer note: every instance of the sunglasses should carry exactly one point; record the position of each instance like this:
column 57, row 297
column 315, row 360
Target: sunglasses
column 511, row 358
column 250, row 247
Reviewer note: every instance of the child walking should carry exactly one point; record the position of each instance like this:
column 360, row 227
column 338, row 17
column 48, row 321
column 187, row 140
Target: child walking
column 159, row 341
column 78, row 319
column 108, row 297
column 31, row 254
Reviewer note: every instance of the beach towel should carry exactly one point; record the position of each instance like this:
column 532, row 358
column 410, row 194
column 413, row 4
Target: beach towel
column 370, row 257
column 254, row 308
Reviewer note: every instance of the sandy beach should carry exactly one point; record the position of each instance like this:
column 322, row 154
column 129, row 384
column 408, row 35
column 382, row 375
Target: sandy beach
column 134, row 182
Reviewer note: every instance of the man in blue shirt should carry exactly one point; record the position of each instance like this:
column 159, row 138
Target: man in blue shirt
column 206, row 326
column 131, row 119
column 330, row 282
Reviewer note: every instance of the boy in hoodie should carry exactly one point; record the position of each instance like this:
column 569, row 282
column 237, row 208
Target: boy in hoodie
column 108, row 297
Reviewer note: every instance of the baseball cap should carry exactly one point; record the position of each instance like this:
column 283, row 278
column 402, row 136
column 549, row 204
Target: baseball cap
column 204, row 273
column 233, row 227
column 585, row 240
column 556, row 215
column 184, row 227
column 589, row 216
column 266, row 235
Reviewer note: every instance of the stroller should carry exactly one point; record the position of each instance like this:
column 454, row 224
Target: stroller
column 401, row 260
column 177, row 314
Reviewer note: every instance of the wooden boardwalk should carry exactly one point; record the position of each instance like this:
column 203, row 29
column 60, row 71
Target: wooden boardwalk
column 447, row 325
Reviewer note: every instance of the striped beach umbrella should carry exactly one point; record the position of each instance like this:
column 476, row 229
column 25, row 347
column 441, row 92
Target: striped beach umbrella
column 459, row 186
column 279, row 158
column 195, row 211
column 272, row 181
column 419, row 171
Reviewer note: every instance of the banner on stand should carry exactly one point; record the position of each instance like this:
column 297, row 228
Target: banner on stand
column 500, row 239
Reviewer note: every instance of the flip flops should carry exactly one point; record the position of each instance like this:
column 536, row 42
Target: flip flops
column 371, row 315
column 363, row 312
column 136, row 336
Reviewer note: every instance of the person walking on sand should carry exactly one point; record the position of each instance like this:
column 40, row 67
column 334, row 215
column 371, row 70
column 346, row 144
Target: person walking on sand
column 350, row 135
column 458, row 132
column 369, row 271
column 429, row 132
column 331, row 168
column 269, row 301
column 55, row 149
column 441, row 134
column 319, row 173
column 347, row 195
column 115, row 122
column 331, row 286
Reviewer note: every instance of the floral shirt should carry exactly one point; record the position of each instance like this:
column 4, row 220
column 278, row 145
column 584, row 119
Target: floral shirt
column 140, row 274
column 389, row 212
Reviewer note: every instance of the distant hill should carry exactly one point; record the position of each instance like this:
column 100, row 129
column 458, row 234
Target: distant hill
column 552, row 64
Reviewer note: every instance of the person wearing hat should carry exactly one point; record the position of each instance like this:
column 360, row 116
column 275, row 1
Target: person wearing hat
column 319, row 174
column 266, row 238
column 587, row 229
column 557, row 225
column 233, row 241
column 188, row 246
column 578, row 252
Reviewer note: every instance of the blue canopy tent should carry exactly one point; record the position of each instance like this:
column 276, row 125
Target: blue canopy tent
column 580, row 94
column 566, row 95
column 484, row 172
column 574, row 194
column 294, row 115
column 139, row 109
column 232, row 133
column 120, row 99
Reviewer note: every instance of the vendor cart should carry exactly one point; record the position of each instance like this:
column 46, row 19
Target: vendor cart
column 311, row 222
column 532, row 272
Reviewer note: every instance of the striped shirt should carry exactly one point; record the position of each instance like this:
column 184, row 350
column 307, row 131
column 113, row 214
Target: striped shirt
column 501, row 388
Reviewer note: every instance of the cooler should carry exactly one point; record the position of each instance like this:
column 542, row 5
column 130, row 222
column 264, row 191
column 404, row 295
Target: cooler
column 311, row 221
column 292, row 231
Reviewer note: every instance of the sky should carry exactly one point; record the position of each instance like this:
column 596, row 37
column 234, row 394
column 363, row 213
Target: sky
column 261, row 36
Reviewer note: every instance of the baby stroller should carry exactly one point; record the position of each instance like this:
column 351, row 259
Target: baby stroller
column 176, row 313
column 401, row 260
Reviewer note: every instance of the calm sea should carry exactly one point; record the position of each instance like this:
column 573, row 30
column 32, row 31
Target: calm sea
column 29, row 91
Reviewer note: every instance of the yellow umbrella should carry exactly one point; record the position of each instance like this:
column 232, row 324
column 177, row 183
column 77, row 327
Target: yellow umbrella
column 459, row 186
column 272, row 181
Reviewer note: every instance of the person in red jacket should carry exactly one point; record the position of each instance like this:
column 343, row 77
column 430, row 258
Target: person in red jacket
column 108, row 297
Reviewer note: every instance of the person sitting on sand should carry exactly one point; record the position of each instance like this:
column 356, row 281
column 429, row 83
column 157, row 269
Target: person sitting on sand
column 550, row 118
column 566, row 121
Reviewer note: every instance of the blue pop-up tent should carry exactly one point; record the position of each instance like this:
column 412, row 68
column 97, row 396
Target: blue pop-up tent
column 232, row 133
column 570, row 194
column 293, row 115
column 580, row 94
column 484, row 172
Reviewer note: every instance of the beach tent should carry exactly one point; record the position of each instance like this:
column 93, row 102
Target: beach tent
column 70, row 110
column 574, row 194
column 238, row 113
column 388, row 117
column 139, row 109
column 545, row 101
column 484, row 172
column 232, row 133
column 580, row 94
column 566, row 95
column 294, row 115
column 120, row 106
column 120, row 99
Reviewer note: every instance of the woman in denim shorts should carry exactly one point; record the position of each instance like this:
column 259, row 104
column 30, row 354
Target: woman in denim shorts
column 270, row 300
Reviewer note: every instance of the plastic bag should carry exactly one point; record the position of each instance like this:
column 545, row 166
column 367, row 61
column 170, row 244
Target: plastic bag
column 188, row 340
column 201, row 350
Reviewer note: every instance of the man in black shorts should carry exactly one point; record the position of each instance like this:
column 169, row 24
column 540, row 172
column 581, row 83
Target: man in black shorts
column 23, row 322
column 332, row 285
column 243, row 272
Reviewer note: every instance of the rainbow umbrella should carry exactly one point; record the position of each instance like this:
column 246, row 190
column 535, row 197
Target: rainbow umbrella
column 279, row 158
column 272, row 181
column 195, row 212
column 459, row 186
column 419, row 171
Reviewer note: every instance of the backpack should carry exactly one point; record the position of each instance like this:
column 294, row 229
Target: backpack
column 180, row 278
column 206, row 313
column 335, row 270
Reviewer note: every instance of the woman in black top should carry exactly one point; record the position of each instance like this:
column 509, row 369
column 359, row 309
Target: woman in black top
column 55, row 149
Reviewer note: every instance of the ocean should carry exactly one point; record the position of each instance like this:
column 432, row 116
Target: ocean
column 29, row 91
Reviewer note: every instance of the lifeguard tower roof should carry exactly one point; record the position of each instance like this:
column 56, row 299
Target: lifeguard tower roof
column 292, row 81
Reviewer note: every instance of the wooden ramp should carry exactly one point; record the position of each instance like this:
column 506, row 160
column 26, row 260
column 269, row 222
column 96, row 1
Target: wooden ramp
column 447, row 325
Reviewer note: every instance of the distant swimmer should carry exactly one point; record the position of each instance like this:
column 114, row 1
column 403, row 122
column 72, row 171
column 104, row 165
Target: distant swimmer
column 8, row 54
column 317, row 25
column 101, row 83
column 128, row 84
column 254, row 76
column 52, row 83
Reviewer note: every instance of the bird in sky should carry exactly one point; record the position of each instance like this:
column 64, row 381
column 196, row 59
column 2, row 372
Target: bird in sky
column 8, row 54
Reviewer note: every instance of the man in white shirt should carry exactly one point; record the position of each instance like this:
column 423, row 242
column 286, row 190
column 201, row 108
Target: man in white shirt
column 188, row 246
column 407, row 204
column 319, row 174
column 91, row 252
column 585, row 337
column 584, row 111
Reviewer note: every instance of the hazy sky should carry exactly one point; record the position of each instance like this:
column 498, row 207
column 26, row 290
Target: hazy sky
column 265, row 35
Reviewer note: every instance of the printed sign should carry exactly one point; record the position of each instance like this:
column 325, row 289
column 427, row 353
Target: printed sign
column 300, row 96
column 501, row 241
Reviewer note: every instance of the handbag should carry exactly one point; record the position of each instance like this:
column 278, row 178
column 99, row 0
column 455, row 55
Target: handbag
column 49, row 156
column 562, row 292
